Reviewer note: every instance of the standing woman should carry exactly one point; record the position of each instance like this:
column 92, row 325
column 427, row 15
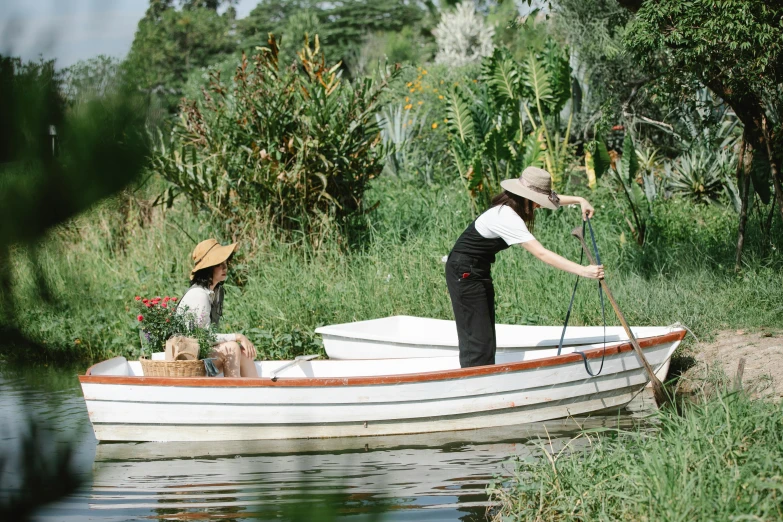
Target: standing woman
column 468, row 266
column 233, row 353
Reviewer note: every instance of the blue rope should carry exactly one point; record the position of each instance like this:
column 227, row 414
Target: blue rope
column 571, row 304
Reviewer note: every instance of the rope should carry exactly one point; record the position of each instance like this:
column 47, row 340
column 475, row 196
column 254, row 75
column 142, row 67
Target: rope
column 571, row 303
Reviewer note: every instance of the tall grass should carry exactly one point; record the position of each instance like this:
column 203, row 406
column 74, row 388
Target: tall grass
column 721, row 460
column 280, row 290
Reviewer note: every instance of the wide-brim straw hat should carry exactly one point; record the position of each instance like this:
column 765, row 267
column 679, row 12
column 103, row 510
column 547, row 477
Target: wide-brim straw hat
column 210, row 253
column 534, row 184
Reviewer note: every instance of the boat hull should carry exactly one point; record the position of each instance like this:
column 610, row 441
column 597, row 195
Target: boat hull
column 126, row 407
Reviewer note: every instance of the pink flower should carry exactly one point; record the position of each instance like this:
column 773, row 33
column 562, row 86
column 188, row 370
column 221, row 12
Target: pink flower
column 166, row 299
column 163, row 304
column 145, row 301
column 140, row 318
column 174, row 299
column 138, row 298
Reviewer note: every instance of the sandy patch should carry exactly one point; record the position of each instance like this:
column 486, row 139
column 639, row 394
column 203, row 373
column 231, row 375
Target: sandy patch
column 719, row 359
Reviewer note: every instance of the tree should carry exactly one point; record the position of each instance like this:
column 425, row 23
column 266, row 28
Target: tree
column 350, row 21
column 734, row 48
column 170, row 42
column 344, row 24
column 271, row 16
column 90, row 79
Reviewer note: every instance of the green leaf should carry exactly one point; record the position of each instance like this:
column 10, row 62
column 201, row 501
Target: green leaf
column 533, row 156
column 502, row 76
column 537, row 80
column 629, row 161
column 600, row 156
column 459, row 116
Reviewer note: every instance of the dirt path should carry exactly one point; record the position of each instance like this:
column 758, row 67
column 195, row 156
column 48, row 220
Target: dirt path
column 763, row 354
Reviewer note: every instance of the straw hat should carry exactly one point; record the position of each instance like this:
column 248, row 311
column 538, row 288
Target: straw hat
column 534, row 184
column 210, row 253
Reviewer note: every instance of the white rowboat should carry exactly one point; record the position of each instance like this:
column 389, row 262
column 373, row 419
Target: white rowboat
column 350, row 398
column 403, row 337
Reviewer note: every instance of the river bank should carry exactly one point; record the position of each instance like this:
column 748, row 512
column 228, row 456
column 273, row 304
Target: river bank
column 715, row 452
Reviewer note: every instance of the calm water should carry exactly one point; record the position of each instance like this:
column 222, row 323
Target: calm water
column 410, row 478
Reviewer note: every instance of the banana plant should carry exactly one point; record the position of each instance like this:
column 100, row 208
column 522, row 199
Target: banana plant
column 639, row 201
column 510, row 121
column 545, row 80
column 466, row 146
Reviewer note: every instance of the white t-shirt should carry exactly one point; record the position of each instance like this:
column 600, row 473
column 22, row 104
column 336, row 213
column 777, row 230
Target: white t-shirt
column 503, row 222
column 198, row 301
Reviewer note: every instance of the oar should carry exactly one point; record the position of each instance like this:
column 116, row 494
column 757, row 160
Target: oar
column 660, row 396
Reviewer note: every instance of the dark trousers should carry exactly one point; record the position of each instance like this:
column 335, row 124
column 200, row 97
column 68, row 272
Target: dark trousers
column 473, row 301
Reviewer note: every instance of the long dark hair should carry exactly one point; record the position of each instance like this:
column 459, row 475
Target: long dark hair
column 203, row 278
column 522, row 206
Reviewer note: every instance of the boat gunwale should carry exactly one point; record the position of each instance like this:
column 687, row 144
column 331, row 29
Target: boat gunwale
column 420, row 377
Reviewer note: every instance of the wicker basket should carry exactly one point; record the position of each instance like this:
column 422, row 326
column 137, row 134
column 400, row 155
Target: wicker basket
column 172, row 368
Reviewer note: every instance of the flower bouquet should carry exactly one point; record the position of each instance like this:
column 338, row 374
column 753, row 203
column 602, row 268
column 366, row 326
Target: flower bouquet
column 159, row 320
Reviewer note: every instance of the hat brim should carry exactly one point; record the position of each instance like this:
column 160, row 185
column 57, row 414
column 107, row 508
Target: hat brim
column 215, row 257
column 515, row 187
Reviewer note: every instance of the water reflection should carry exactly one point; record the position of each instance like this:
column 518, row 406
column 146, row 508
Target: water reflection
column 424, row 477
column 414, row 477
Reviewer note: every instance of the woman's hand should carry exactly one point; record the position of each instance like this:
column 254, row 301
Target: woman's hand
column 593, row 271
column 587, row 209
column 247, row 347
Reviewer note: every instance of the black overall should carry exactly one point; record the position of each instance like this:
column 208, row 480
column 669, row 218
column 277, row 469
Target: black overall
column 473, row 295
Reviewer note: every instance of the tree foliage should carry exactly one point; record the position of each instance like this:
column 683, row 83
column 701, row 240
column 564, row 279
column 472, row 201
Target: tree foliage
column 172, row 41
column 734, row 48
column 344, row 24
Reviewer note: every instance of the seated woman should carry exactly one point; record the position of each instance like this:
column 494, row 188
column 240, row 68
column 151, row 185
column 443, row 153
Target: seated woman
column 233, row 353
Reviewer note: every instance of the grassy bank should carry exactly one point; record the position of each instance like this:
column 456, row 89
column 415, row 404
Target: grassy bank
column 280, row 290
column 721, row 460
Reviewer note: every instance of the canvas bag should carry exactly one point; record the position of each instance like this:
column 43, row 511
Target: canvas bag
column 181, row 348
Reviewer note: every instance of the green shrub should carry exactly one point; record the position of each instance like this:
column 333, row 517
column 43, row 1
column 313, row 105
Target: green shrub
column 416, row 107
column 297, row 145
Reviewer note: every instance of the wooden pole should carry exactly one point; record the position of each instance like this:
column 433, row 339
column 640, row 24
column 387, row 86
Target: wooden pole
column 660, row 395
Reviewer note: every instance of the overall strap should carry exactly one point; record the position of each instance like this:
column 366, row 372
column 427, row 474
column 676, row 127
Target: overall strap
column 571, row 304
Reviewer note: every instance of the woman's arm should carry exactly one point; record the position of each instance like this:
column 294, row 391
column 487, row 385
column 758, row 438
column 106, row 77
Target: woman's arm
column 561, row 263
column 587, row 209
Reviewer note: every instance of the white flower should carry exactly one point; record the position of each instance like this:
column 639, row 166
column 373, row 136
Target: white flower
column 462, row 36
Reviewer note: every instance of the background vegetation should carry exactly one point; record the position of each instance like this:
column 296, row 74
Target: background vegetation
column 346, row 166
